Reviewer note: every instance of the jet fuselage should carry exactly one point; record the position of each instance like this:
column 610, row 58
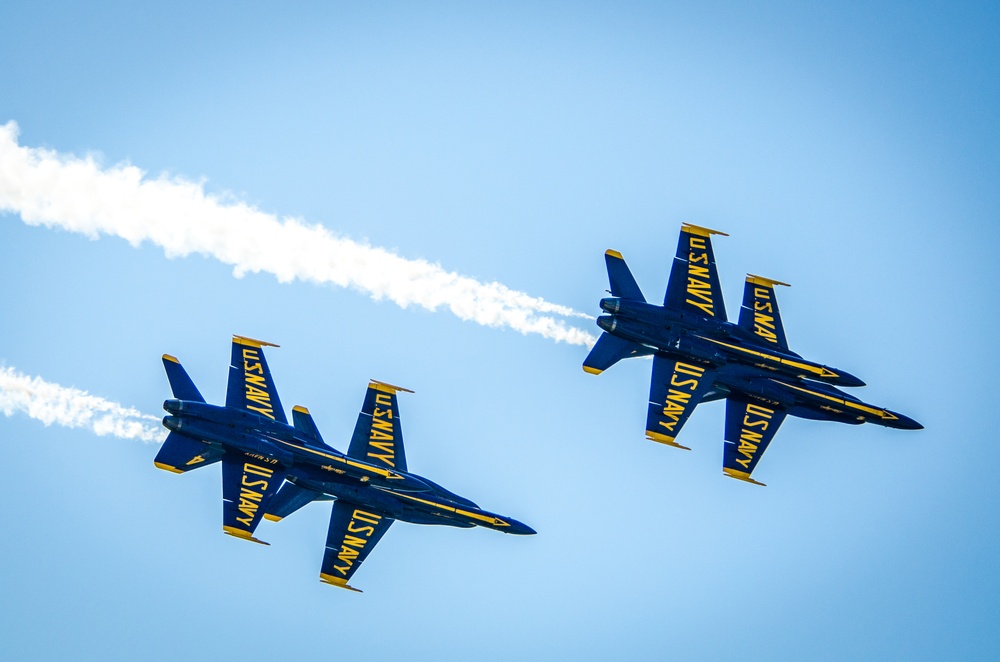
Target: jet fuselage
column 397, row 494
column 248, row 432
column 743, row 364
column 708, row 340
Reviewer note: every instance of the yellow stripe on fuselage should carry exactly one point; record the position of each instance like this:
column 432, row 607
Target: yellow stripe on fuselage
column 492, row 520
column 343, row 460
column 881, row 413
column 816, row 370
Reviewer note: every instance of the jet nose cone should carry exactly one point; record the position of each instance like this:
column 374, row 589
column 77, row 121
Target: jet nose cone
column 906, row 423
column 847, row 379
column 520, row 529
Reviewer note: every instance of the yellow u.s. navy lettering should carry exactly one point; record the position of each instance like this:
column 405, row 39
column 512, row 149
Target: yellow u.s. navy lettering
column 677, row 400
column 256, row 384
column 763, row 323
column 381, row 436
column 699, row 287
column 250, row 499
column 755, row 417
column 351, row 546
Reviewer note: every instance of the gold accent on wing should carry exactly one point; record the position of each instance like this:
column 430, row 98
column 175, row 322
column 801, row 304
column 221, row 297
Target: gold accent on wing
column 664, row 439
column 741, row 475
column 766, row 282
column 251, row 342
column 699, row 231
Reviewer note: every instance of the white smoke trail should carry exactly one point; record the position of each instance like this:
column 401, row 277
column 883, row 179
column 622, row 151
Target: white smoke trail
column 79, row 195
column 73, row 408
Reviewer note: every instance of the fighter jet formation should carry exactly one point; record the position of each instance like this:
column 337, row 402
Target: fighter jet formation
column 270, row 469
column 699, row 356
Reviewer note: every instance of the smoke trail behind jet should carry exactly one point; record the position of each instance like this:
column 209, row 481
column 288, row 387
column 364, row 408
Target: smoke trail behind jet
column 79, row 195
column 69, row 407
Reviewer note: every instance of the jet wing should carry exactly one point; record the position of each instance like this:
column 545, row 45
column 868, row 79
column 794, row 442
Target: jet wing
column 248, row 484
column 378, row 437
column 180, row 454
column 675, row 390
column 354, row 531
column 759, row 312
column 694, row 279
column 750, row 427
column 250, row 384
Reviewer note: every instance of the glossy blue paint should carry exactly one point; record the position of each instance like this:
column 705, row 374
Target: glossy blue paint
column 701, row 356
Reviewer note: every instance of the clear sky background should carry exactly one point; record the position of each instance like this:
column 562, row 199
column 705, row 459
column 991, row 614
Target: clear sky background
column 849, row 150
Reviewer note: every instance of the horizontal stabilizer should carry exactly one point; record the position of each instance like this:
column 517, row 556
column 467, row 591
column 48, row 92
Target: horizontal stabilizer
column 291, row 497
column 622, row 282
column 180, row 454
column 180, row 382
column 609, row 350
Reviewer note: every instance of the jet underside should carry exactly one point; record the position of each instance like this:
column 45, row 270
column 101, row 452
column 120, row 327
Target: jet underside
column 272, row 468
column 699, row 356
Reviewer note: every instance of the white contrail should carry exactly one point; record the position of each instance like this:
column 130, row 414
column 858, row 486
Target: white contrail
column 79, row 195
column 73, row 408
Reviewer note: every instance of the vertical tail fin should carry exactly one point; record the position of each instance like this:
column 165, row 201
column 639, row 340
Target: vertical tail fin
column 622, row 282
column 304, row 423
column 180, row 382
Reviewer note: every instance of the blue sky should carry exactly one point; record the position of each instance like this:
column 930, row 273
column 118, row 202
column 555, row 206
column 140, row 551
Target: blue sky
column 848, row 150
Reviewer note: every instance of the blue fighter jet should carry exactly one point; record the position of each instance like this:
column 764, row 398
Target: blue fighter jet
column 259, row 451
column 698, row 356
